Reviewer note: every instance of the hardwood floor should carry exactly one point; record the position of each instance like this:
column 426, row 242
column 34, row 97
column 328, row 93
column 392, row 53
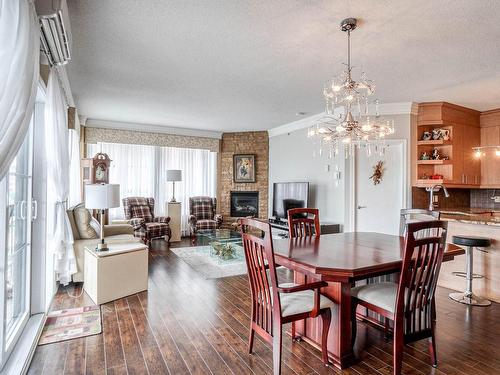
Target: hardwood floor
column 184, row 324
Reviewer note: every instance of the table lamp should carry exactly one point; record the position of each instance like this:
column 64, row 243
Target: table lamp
column 174, row 175
column 101, row 197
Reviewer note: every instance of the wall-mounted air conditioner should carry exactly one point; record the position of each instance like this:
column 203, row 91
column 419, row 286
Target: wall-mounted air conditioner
column 55, row 33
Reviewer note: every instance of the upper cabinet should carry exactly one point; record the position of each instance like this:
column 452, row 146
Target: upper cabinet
column 442, row 145
column 490, row 136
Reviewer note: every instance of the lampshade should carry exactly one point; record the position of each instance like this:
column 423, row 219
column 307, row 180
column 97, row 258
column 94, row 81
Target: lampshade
column 102, row 196
column 174, row 175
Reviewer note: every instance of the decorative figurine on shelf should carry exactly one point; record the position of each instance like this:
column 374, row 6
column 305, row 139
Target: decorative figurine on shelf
column 427, row 136
column 445, row 134
column 435, row 154
column 378, row 172
column 436, row 134
column 436, row 177
column 424, row 156
column 424, row 177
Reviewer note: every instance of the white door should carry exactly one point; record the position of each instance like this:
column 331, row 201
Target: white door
column 377, row 207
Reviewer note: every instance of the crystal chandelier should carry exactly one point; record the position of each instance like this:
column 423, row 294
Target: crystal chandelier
column 347, row 118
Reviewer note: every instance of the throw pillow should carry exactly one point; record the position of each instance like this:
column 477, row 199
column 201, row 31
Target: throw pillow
column 82, row 221
column 94, row 223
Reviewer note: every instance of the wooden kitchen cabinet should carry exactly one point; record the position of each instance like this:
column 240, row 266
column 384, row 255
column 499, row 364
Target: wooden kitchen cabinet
column 461, row 169
column 490, row 162
column 471, row 164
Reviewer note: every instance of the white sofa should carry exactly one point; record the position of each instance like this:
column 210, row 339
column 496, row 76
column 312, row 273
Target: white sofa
column 115, row 233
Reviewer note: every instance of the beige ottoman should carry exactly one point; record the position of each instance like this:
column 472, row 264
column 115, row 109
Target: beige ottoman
column 116, row 273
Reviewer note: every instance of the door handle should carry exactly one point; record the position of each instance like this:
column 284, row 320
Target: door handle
column 360, row 207
column 34, row 209
column 22, row 208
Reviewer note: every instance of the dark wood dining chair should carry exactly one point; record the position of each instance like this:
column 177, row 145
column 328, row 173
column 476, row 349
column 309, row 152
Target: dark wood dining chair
column 272, row 304
column 407, row 216
column 303, row 222
column 409, row 304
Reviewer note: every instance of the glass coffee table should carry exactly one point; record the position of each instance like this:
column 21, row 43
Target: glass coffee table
column 224, row 245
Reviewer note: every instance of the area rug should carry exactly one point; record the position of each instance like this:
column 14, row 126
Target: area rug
column 210, row 267
column 70, row 324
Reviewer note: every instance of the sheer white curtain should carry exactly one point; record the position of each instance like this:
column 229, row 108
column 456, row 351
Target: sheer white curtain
column 19, row 71
column 56, row 138
column 199, row 177
column 141, row 171
column 132, row 166
column 75, row 187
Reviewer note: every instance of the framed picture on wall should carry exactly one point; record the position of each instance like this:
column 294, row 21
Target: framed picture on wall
column 244, row 168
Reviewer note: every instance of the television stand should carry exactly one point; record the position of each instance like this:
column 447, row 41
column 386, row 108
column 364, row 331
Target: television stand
column 279, row 228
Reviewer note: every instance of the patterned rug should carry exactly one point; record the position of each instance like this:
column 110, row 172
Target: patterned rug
column 70, row 324
column 210, row 266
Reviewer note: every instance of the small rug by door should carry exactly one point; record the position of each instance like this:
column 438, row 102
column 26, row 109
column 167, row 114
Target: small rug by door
column 70, row 324
column 212, row 267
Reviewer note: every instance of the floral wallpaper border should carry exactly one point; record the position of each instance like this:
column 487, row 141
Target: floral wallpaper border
column 94, row 135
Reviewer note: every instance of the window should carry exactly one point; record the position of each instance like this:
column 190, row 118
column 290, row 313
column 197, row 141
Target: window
column 15, row 235
column 141, row 171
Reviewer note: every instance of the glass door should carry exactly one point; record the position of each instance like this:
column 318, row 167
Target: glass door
column 16, row 204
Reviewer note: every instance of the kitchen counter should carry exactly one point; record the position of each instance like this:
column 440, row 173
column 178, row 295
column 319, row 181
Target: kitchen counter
column 469, row 215
column 474, row 222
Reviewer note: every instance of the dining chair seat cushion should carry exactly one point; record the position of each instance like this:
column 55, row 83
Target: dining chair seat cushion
column 382, row 295
column 300, row 302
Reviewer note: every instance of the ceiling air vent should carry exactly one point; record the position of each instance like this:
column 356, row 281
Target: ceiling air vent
column 55, row 35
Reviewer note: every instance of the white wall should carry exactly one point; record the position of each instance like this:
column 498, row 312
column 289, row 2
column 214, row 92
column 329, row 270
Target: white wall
column 291, row 159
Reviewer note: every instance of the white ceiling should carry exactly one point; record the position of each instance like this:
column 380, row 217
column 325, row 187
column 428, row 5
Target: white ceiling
column 231, row 65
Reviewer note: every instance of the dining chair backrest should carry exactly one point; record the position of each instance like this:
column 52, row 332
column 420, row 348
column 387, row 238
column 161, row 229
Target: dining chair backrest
column 259, row 255
column 303, row 222
column 417, row 284
column 414, row 215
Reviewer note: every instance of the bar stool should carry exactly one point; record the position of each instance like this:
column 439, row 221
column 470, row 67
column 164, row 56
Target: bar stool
column 467, row 297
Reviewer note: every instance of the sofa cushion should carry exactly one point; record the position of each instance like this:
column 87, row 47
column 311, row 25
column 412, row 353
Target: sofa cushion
column 82, row 221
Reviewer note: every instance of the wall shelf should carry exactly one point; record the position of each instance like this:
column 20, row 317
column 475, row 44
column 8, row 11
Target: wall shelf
column 428, row 182
column 435, row 142
column 434, row 162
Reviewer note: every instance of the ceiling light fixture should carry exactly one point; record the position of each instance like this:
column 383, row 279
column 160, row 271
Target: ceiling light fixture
column 480, row 151
column 347, row 117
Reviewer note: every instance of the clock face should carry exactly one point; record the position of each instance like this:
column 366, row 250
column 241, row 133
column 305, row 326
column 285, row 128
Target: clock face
column 100, row 173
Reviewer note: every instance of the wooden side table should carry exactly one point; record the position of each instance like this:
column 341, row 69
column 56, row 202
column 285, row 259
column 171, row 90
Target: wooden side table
column 118, row 272
column 173, row 210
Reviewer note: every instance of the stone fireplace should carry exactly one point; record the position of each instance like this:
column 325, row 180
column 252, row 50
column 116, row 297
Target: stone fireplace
column 244, row 203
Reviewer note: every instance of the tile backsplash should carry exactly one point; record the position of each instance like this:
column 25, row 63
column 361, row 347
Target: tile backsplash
column 459, row 198
column 481, row 198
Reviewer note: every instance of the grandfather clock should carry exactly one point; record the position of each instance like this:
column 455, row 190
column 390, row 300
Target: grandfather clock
column 95, row 170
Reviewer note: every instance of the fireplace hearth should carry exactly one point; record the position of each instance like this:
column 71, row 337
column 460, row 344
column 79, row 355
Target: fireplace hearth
column 244, row 203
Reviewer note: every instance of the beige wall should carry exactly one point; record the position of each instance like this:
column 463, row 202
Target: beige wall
column 242, row 143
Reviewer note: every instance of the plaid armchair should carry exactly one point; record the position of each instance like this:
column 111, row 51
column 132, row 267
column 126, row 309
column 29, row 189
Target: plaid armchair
column 202, row 214
column 140, row 214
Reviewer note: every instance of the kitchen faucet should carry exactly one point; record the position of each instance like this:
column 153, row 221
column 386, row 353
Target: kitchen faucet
column 435, row 188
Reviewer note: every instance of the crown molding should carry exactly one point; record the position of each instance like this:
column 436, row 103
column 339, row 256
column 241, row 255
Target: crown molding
column 149, row 128
column 386, row 109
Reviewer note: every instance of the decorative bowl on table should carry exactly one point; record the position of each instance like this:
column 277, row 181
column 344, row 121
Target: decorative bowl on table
column 224, row 251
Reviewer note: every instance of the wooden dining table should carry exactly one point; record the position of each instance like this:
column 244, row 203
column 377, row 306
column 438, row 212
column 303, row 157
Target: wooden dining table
column 340, row 260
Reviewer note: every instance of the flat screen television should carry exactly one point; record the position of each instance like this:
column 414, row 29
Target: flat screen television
column 288, row 195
